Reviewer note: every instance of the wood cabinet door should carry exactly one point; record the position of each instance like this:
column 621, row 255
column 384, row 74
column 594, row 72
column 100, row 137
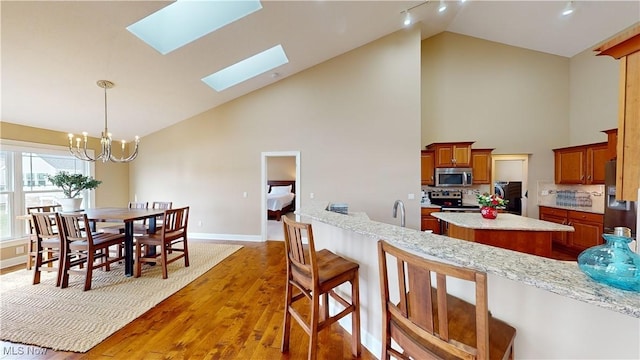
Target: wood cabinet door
column 481, row 164
column 444, row 156
column 455, row 154
column 587, row 234
column 597, row 156
column 558, row 237
column 462, row 155
column 570, row 166
column 588, row 230
column 428, row 222
column 558, row 216
column 427, row 165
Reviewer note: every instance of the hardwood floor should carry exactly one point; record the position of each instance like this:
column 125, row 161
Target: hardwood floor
column 234, row 311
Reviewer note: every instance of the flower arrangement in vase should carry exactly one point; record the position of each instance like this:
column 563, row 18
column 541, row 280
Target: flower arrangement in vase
column 489, row 205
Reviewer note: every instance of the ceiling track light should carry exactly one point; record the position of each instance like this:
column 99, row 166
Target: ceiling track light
column 407, row 13
column 442, row 7
column 407, row 19
column 569, row 9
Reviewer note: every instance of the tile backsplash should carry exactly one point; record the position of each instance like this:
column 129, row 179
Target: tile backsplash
column 581, row 196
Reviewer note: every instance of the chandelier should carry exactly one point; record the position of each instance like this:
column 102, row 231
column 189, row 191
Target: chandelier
column 80, row 152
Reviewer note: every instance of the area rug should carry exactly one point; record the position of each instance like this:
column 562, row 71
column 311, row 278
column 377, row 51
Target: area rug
column 75, row 320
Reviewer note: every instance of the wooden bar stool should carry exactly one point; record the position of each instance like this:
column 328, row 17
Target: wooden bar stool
column 428, row 323
column 316, row 275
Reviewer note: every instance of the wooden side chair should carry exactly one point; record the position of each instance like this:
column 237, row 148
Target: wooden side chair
column 172, row 238
column 160, row 205
column 48, row 248
column 85, row 248
column 139, row 227
column 315, row 275
column 426, row 322
column 31, row 245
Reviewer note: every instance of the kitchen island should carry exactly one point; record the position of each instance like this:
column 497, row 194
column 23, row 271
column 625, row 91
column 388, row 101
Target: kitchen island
column 507, row 231
column 558, row 311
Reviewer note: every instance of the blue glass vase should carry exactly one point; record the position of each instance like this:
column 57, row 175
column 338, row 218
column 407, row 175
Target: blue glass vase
column 612, row 263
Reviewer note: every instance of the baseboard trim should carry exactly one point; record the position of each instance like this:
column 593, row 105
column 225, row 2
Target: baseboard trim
column 232, row 237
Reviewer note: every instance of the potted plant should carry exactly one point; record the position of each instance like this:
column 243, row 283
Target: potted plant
column 72, row 185
column 490, row 204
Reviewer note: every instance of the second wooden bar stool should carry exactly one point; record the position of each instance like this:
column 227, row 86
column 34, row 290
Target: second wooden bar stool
column 316, row 275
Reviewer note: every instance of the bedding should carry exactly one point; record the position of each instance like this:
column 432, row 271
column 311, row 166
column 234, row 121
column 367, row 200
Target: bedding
column 278, row 201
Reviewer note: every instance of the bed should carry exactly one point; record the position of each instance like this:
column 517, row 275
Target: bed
column 280, row 198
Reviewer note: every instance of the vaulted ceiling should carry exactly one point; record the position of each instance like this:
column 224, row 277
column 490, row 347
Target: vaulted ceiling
column 53, row 52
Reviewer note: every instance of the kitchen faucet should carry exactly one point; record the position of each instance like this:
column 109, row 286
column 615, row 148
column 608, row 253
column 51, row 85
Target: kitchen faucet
column 395, row 212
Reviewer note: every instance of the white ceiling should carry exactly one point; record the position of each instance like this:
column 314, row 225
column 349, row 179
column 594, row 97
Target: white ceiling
column 53, row 52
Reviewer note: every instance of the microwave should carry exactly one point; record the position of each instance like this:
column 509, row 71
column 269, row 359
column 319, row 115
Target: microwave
column 454, row 176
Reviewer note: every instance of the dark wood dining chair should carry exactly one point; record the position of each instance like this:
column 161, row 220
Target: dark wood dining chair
column 31, row 245
column 139, row 227
column 426, row 322
column 48, row 248
column 85, row 248
column 315, row 275
column 172, row 238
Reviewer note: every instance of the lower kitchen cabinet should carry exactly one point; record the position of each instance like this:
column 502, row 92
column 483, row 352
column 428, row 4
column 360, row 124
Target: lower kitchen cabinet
column 558, row 216
column 428, row 222
column 588, row 228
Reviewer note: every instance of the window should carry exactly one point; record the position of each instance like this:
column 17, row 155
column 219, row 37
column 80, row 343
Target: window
column 23, row 181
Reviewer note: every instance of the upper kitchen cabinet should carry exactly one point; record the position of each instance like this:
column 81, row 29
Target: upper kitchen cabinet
column 626, row 47
column 454, row 154
column 481, row 164
column 581, row 164
column 427, row 166
column 612, row 140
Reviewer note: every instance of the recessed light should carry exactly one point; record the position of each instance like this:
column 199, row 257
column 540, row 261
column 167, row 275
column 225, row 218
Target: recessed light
column 247, row 68
column 185, row 21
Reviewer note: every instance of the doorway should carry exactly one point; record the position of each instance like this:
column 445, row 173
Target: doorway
column 276, row 164
column 512, row 168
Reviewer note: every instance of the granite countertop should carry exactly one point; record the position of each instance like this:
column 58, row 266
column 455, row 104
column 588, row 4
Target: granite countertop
column 559, row 277
column 502, row 222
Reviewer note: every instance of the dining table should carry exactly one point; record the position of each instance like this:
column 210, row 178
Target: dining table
column 126, row 216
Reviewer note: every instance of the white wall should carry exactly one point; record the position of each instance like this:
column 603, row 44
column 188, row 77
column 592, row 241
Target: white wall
column 355, row 120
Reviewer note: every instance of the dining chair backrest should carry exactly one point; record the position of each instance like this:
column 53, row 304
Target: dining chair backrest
column 42, row 209
column 164, row 205
column 424, row 319
column 44, row 225
column 138, row 205
column 72, row 227
column 301, row 258
column 175, row 223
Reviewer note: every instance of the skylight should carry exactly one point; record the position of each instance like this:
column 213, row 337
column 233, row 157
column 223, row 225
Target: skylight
column 247, row 68
column 186, row 20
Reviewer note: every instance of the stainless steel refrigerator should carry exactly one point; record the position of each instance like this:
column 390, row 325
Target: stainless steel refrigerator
column 617, row 213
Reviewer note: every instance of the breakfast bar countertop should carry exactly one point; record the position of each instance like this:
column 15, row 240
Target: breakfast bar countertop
column 559, row 277
column 502, row 222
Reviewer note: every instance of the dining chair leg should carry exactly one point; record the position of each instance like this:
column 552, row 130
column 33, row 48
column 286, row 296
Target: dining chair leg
column 38, row 265
column 89, row 273
column 137, row 266
column 313, row 327
column 356, row 347
column 163, row 256
column 286, row 326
